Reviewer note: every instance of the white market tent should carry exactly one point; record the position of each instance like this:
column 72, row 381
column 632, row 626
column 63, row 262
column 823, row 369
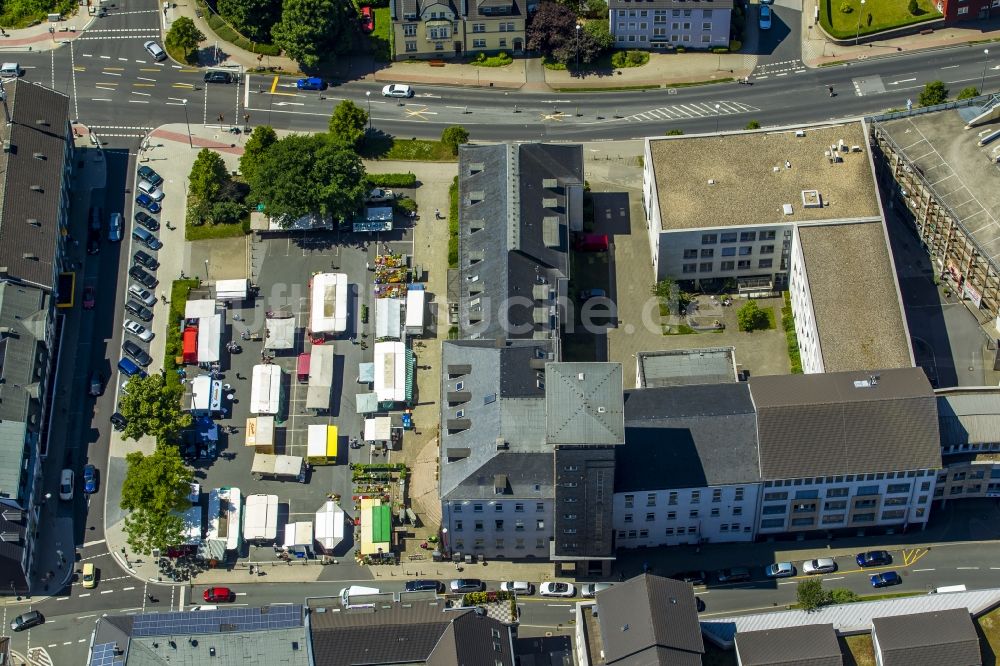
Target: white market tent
column 387, row 318
column 231, row 290
column 209, row 338
column 365, row 403
column 329, row 526
column 320, row 377
column 192, row 526
column 378, row 429
column 224, row 508
column 299, row 537
column 328, row 304
column 279, row 332
column 206, row 394
column 260, row 433
column 260, row 519
column 198, row 309
column 415, row 305
column 265, row 389
column 390, row 371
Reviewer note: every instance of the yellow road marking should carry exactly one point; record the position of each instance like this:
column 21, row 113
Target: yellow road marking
column 187, row 71
column 79, row 69
column 910, row 557
column 183, row 85
column 144, row 85
column 284, row 94
column 274, row 84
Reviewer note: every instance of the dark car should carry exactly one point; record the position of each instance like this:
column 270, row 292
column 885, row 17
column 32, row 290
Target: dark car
column 89, row 300
column 89, row 479
column 733, row 575
column 693, row 577
column 26, row 621
column 145, row 201
column 146, row 173
column 422, row 585
column 874, row 558
column 142, row 259
column 142, row 277
column 138, row 310
column 216, row 594
column 137, row 353
column 96, row 215
column 885, row 579
column 118, row 421
column 467, row 585
column 147, row 221
column 218, row 77
column 147, row 238
column 93, row 242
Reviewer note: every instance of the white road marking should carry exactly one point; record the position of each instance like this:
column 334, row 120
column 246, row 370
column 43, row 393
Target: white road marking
column 106, row 591
column 834, row 578
column 138, row 101
column 789, row 582
column 111, row 73
column 128, row 589
column 84, row 595
column 559, row 605
column 145, row 78
column 950, row 67
column 967, row 568
column 916, row 570
column 93, row 543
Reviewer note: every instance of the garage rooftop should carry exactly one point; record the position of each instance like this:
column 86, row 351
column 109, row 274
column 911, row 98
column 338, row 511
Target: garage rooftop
column 754, row 174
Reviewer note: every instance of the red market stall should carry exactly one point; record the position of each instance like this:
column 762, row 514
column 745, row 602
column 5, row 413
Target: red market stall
column 189, row 349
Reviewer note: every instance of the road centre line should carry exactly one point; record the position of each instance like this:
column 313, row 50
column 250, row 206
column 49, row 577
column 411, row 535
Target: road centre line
column 87, row 55
column 834, row 578
column 128, row 589
column 138, row 101
column 145, row 78
column 916, row 570
column 994, row 568
column 274, row 84
column 967, row 568
column 111, row 73
column 104, row 57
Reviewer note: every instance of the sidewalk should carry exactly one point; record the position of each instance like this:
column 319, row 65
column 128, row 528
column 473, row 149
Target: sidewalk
column 38, row 37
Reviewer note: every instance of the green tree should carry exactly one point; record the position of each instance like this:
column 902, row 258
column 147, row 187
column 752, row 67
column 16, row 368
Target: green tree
column 841, row 595
column 454, row 136
column 752, row 125
column 968, row 93
column 347, row 123
column 310, row 30
column 913, row 7
column 300, row 175
column 600, row 32
column 669, row 294
column 253, row 18
column 153, row 409
column 260, row 141
column 183, row 37
column 933, row 93
column 810, row 594
column 153, row 494
column 751, row 318
column 208, row 175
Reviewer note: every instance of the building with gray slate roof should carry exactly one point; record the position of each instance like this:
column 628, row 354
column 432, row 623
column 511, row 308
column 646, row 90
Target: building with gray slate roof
column 517, row 205
column 808, row 645
column 926, row 639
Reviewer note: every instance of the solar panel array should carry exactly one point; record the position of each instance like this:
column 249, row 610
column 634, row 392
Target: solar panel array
column 217, row 621
column 103, row 655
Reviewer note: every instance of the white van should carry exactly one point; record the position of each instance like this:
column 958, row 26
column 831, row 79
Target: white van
column 10, row 70
column 356, row 591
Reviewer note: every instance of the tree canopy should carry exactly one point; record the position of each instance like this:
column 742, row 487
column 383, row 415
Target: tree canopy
column 261, row 139
column 552, row 31
column 751, row 318
column 300, row 174
column 933, row 93
column 810, row 594
column 253, row 18
column 454, row 136
column 208, row 175
column 184, row 37
column 153, row 494
column 152, row 409
column 347, row 123
column 310, row 30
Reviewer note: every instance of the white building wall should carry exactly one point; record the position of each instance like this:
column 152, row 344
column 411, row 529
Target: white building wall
column 686, row 516
column 855, row 501
column 507, row 528
column 651, row 204
column 802, row 311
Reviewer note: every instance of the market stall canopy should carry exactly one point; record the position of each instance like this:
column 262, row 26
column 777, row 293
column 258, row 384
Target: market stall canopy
column 367, row 403
column 265, row 389
column 390, row 371
column 260, row 433
column 299, row 534
column 366, row 373
column 378, row 429
column 260, row 518
column 206, row 394
column 279, row 332
column 198, row 309
column 209, row 338
column 231, row 290
column 328, row 304
column 320, row 377
column 387, row 318
column 329, row 526
column 376, row 527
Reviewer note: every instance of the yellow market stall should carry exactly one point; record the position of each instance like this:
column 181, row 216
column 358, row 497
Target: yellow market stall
column 321, row 445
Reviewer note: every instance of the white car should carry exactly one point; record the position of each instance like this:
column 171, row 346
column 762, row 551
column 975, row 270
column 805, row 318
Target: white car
column 10, row 70
column 557, row 590
column 155, row 192
column 821, row 566
column 590, row 590
column 397, row 90
column 379, row 195
column 143, row 295
column 517, row 587
column 66, row 485
column 138, row 330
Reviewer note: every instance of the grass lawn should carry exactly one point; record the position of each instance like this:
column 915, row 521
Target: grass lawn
column 178, row 301
column 770, row 318
column 385, row 147
column 885, row 14
column 988, row 627
column 23, row 13
column 857, row 650
column 206, row 231
column 381, row 37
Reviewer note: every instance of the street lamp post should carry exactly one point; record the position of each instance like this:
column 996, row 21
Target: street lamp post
column 368, row 94
column 857, row 35
column 718, row 112
column 578, row 26
column 986, row 62
column 206, row 270
column 187, row 122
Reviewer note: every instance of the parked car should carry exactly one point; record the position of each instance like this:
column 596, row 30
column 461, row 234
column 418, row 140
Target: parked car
column 586, row 294
column 780, row 570
column 96, row 217
column 147, row 221
column 138, row 330
column 733, row 575
column 146, row 238
column 821, row 566
column 145, row 296
column 218, row 77
column 118, row 421
column 26, row 621
column 142, row 277
column 462, row 585
column 590, row 590
column 311, row 83
column 424, row 585
column 129, row 369
column 89, row 479
column 66, row 485
column 145, row 201
column 873, row 558
column 765, row 17
column 115, row 227
column 143, row 259
column 89, row 299
column 89, row 575
column 397, row 90
column 367, row 19
column 137, row 353
column 139, row 310
column 517, row 587
column 147, row 173
column 155, row 192
column 693, row 577
column 556, row 590
column 885, row 579
column 11, row 70
column 93, row 242
column 379, row 195
column 96, row 384
column 216, row 594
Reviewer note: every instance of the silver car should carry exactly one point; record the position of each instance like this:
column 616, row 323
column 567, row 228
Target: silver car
column 143, row 295
column 138, row 330
column 821, row 566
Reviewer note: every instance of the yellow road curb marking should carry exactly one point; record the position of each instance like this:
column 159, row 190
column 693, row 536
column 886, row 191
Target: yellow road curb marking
column 183, row 85
column 274, row 84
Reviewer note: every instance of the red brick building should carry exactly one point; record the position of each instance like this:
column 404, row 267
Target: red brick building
column 965, row 10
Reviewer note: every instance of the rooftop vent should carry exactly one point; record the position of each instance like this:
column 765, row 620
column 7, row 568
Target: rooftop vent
column 581, row 376
column 711, row 181
column 550, row 202
column 6, row 146
column 37, row 188
column 29, row 256
column 787, row 209
column 34, row 222
column 550, row 183
column 800, row 133
column 601, row 410
column 42, row 122
column 39, row 156
column 812, row 199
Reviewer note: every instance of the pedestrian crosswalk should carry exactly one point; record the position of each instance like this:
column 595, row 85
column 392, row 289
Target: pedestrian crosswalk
column 693, row 110
column 781, row 68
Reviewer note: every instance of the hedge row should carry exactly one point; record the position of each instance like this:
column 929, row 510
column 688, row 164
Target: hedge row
column 392, row 179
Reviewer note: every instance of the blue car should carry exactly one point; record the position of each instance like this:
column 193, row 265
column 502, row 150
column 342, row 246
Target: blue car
column 130, row 369
column 312, row 83
column 873, row 558
column 145, row 201
column 89, row 479
column 885, row 579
